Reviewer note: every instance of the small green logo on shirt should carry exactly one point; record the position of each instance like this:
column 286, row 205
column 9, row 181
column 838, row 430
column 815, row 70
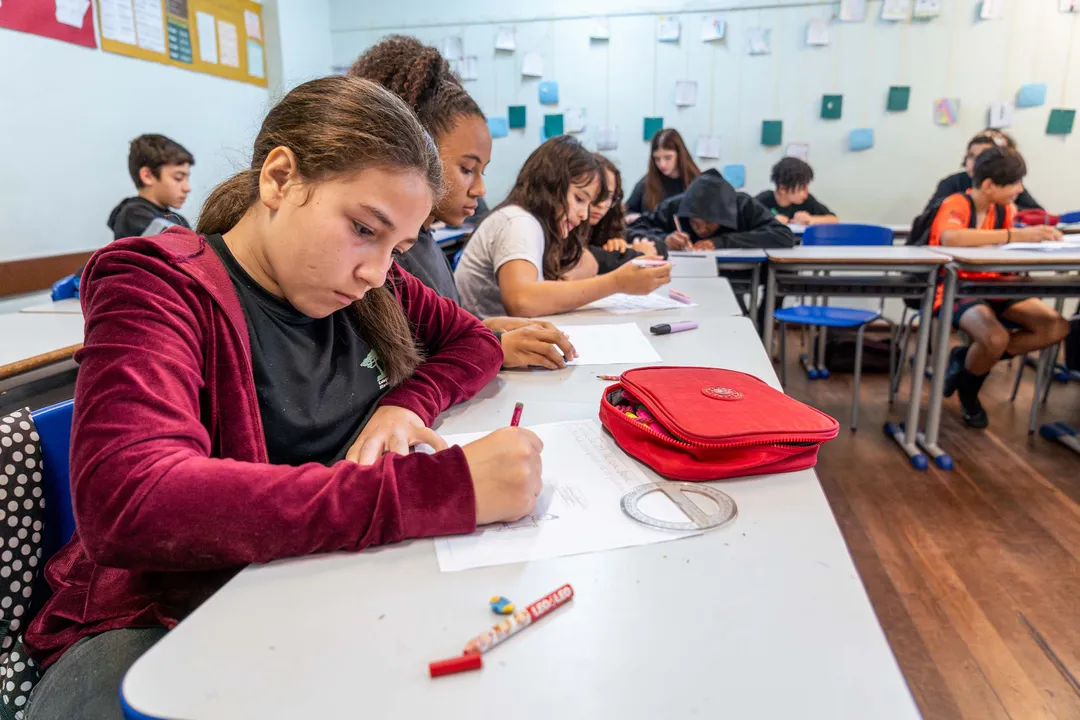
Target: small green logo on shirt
column 372, row 362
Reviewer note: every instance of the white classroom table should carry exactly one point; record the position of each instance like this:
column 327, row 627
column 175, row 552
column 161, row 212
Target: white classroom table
column 764, row 618
column 1063, row 265
column 916, row 276
column 29, row 341
column 70, row 306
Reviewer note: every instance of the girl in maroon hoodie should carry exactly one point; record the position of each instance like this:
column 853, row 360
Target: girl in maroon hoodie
column 251, row 392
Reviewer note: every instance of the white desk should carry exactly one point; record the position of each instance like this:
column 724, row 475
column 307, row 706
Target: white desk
column 764, row 618
column 29, row 341
column 1065, row 283
column 70, row 306
column 709, row 263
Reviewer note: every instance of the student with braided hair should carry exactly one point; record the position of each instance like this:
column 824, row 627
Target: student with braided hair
column 419, row 75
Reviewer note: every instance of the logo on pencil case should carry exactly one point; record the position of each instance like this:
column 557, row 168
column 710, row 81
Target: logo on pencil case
column 722, row 393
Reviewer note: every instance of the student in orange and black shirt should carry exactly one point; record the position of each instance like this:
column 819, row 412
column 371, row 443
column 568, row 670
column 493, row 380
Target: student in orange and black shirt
column 997, row 181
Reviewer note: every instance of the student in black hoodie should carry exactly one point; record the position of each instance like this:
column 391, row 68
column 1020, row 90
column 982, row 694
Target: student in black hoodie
column 160, row 169
column 961, row 182
column 671, row 170
column 711, row 214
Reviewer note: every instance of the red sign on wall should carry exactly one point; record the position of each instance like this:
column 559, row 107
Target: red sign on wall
column 67, row 20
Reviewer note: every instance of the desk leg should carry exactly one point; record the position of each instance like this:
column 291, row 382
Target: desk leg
column 755, row 288
column 929, row 441
column 770, row 308
column 905, row 436
column 1044, row 375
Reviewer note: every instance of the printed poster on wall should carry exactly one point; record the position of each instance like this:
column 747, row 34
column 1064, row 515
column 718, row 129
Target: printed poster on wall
column 65, row 20
column 215, row 37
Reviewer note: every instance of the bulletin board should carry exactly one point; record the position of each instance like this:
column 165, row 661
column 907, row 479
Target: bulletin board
column 67, row 20
column 225, row 38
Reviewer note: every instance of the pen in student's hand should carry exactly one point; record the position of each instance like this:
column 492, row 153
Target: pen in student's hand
column 677, row 225
column 516, row 420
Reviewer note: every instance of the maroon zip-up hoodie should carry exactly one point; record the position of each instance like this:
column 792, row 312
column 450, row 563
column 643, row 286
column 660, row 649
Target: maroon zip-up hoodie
column 171, row 486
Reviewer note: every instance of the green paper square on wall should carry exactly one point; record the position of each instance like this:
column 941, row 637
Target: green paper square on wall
column 653, row 125
column 516, row 114
column 772, row 132
column 899, row 96
column 1061, row 122
column 553, row 125
column 832, row 106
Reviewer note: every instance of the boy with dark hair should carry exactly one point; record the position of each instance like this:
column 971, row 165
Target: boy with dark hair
column 962, row 181
column 792, row 202
column 160, row 169
column 711, row 214
column 984, row 217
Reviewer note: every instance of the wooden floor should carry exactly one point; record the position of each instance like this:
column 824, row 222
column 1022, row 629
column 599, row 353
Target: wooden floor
column 974, row 573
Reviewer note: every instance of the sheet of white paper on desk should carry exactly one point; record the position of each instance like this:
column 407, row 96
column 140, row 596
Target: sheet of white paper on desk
column 708, row 146
column 453, row 47
column 72, row 12
column 252, row 26
column 574, row 120
column 117, row 21
column 852, row 10
column 623, row 304
column 532, row 65
column 685, row 93
column 927, row 8
column 712, row 28
column 817, row 32
column 668, row 29
column 1001, row 114
column 621, row 344
column 759, row 41
column 207, row 37
column 150, row 25
column 599, row 28
column 992, row 10
column 505, row 40
column 1049, row 246
column 607, row 137
column 796, row 228
column 799, row 150
column 585, row 476
column 895, row 9
column 230, row 44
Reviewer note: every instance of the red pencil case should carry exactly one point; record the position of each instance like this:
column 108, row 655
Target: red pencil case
column 708, row 424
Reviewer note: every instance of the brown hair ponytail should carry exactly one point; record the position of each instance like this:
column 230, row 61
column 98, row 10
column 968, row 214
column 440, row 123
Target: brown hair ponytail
column 337, row 126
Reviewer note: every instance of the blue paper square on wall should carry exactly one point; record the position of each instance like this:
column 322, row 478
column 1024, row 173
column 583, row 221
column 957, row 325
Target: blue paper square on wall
column 498, row 127
column 735, row 174
column 861, row 139
column 549, row 92
column 1031, row 95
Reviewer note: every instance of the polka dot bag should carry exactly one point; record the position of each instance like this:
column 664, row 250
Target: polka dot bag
column 22, row 509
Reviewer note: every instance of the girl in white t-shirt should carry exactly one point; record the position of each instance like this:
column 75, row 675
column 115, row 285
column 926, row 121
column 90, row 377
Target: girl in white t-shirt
column 527, row 257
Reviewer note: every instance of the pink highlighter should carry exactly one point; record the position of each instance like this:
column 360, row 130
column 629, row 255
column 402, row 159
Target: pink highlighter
column 668, row 328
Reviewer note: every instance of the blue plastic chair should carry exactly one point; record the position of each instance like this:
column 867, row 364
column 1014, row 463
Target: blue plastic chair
column 53, row 425
column 824, row 316
column 66, row 288
column 457, row 259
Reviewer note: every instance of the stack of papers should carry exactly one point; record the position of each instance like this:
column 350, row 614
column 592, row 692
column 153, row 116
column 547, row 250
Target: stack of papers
column 622, row 304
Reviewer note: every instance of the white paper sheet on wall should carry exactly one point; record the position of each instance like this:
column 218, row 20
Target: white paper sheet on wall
column 712, row 28
column 992, row 10
column 1001, row 114
column 895, row 9
column 71, row 12
column 229, row 44
column 206, row 26
column 759, row 41
column 150, row 25
column 817, row 32
column 470, row 67
column 607, row 138
column 532, row 65
column 574, row 120
column 117, row 21
column 668, row 29
column 798, row 150
column 453, row 47
column 505, row 39
column 852, row 10
column 599, row 28
column 708, row 146
column 585, row 476
column 255, row 59
column 252, row 26
column 927, row 8
column 685, row 93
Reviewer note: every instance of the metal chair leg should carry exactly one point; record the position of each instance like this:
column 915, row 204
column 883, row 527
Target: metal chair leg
column 1019, row 376
column 1050, row 371
column 858, row 379
column 783, row 354
column 893, row 337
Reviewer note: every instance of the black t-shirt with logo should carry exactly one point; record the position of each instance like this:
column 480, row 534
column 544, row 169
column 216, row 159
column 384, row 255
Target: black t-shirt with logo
column 810, row 205
column 316, row 379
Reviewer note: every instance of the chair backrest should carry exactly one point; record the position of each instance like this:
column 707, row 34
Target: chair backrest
column 847, row 234
column 53, row 425
column 64, row 288
column 457, row 259
column 1070, row 217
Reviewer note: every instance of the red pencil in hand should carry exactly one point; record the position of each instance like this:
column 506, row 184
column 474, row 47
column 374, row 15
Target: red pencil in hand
column 516, row 420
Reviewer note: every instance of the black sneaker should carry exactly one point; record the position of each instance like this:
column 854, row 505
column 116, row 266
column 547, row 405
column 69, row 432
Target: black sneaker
column 954, row 368
column 969, row 386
